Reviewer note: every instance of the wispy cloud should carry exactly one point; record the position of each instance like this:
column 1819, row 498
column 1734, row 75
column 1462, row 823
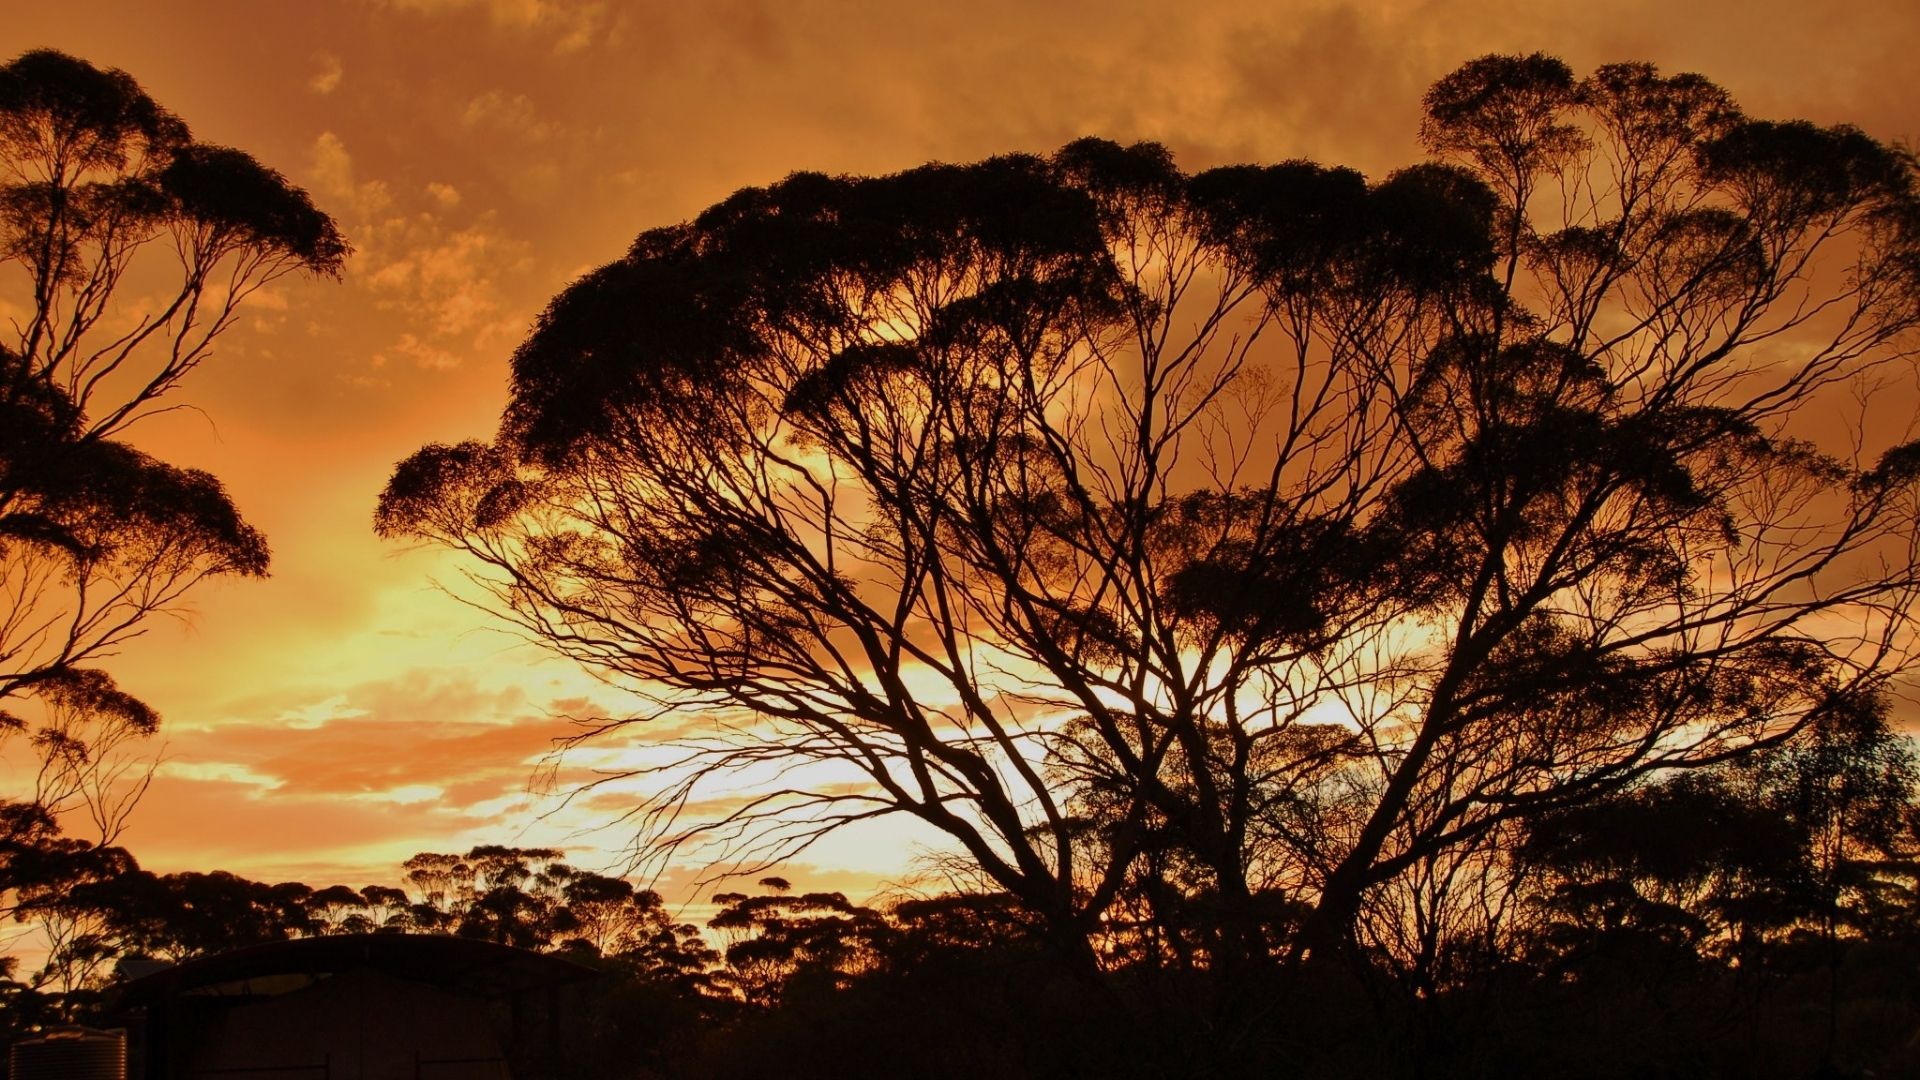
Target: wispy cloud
column 327, row 80
column 439, row 273
column 570, row 25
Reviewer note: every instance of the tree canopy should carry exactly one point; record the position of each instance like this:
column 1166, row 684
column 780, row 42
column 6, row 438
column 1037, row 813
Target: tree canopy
column 1274, row 531
column 128, row 248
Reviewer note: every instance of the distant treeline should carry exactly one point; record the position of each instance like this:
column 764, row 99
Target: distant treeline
column 1761, row 919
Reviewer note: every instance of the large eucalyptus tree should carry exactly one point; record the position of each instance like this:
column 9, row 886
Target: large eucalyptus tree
column 126, row 251
column 1268, row 525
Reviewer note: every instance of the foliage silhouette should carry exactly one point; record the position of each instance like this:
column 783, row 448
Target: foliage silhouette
column 99, row 185
column 813, row 942
column 1620, row 960
column 1306, row 534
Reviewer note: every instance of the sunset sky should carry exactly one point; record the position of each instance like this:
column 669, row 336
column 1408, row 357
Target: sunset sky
column 479, row 154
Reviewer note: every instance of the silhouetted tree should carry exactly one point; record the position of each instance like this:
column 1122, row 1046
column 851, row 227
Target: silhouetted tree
column 781, row 943
column 502, row 894
column 387, row 908
column 1321, row 527
column 100, row 186
column 56, row 884
column 94, row 906
column 608, row 917
column 530, row 898
column 927, row 929
column 1808, row 836
column 191, row 913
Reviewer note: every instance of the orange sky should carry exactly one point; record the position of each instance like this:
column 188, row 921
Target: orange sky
column 327, row 723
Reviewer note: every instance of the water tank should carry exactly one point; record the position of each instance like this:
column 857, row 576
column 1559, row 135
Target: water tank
column 71, row 1053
